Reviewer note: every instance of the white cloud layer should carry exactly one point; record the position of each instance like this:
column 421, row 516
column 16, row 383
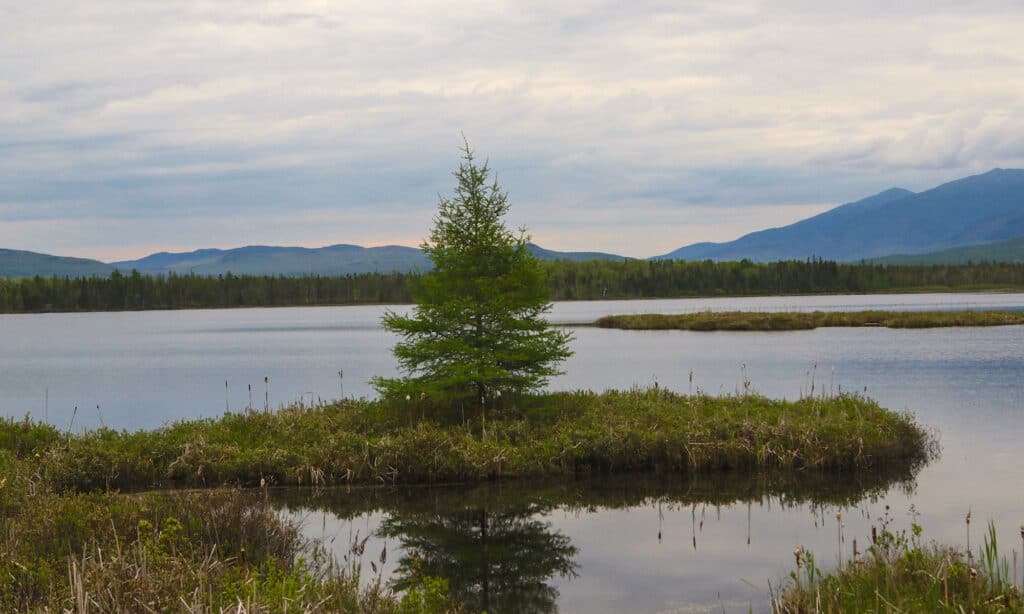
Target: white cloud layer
column 626, row 127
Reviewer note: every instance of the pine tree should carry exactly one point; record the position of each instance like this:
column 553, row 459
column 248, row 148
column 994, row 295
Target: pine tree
column 478, row 327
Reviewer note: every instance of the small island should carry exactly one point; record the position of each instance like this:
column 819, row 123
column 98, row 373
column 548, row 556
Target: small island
column 798, row 320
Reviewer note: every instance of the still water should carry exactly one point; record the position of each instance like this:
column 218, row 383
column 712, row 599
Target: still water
column 635, row 544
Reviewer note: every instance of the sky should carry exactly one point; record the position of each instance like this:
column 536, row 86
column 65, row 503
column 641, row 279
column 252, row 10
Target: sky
column 627, row 127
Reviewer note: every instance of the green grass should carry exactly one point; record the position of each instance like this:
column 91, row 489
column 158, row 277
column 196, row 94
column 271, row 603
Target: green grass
column 898, row 572
column 775, row 321
column 543, row 435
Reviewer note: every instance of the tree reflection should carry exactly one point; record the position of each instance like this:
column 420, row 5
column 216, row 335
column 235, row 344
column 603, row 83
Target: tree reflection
column 494, row 545
column 495, row 561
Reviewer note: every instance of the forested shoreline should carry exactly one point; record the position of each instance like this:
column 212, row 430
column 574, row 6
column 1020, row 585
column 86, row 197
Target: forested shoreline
column 567, row 280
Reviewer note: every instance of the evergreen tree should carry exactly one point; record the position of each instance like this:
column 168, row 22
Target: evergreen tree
column 478, row 325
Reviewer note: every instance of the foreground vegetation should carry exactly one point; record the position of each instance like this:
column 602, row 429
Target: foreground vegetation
column 899, row 572
column 221, row 550
column 752, row 320
column 533, row 435
column 69, row 541
column 566, row 280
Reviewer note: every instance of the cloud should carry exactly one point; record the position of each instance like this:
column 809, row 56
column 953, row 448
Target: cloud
column 168, row 114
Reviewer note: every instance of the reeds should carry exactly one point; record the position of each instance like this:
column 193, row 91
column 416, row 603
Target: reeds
column 899, row 572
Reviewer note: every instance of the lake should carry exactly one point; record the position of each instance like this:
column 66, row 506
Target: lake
column 641, row 544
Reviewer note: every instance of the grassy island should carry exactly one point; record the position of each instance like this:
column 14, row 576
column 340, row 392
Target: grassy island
column 769, row 321
column 529, row 436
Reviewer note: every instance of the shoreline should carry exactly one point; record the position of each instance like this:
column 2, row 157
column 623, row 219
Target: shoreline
column 895, row 292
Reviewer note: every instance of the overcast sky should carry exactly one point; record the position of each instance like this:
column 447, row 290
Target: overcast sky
column 629, row 127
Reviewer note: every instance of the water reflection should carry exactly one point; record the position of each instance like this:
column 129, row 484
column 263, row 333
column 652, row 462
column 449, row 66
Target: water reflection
column 495, row 560
column 501, row 546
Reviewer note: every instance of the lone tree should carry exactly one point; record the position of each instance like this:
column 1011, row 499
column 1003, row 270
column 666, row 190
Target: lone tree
column 478, row 328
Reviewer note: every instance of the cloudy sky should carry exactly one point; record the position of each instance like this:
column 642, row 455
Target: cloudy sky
column 630, row 127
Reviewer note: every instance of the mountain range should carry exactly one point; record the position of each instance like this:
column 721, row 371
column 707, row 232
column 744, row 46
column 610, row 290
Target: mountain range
column 252, row 260
column 970, row 211
column 976, row 218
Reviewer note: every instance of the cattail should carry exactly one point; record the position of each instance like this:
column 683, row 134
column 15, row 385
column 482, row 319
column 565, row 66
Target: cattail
column 968, row 534
column 839, row 537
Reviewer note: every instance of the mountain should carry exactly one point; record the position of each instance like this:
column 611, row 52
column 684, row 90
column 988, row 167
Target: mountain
column 548, row 254
column 18, row 263
column 331, row 260
column 1002, row 251
column 978, row 209
column 253, row 260
column 269, row 260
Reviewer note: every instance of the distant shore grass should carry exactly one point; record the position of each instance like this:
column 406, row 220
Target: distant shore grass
column 538, row 435
column 899, row 572
column 793, row 320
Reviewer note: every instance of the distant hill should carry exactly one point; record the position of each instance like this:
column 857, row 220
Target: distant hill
column 269, row 260
column 331, row 260
column 1002, row 251
column 18, row 263
column 977, row 209
column 548, row 254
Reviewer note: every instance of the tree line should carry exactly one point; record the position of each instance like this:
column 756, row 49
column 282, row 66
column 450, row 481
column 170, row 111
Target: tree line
column 566, row 280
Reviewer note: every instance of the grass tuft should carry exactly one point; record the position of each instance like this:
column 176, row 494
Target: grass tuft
column 899, row 572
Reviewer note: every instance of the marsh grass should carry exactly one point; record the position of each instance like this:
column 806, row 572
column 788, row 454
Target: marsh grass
column 70, row 542
column 900, row 572
column 781, row 321
column 551, row 434
column 223, row 550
